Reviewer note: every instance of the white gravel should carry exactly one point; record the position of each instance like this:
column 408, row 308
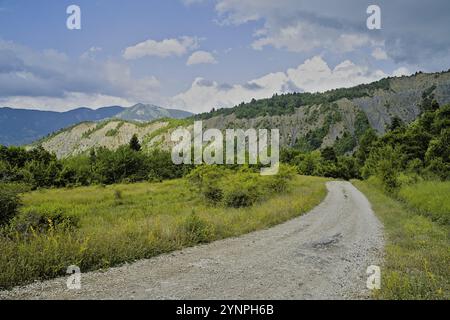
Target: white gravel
column 321, row 255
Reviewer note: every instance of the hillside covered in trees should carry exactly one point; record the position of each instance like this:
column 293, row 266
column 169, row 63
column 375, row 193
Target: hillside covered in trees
column 307, row 121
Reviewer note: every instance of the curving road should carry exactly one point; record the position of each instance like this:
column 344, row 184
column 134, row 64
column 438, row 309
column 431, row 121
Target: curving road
column 321, row 255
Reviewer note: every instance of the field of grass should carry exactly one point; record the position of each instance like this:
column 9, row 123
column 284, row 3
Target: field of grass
column 417, row 255
column 431, row 198
column 122, row 223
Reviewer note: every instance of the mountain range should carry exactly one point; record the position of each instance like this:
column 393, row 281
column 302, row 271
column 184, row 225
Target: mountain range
column 307, row 121
column 19, row 126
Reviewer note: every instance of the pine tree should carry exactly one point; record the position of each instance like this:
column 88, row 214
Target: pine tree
column 134, row 143
column 92, row 156
column 329, row 154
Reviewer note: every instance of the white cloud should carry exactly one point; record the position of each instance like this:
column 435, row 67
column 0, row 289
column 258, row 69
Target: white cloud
column 163, row 49
column 201, row 57
column 313, row 75
column 296, row 26
column 379, row 54
column 68, row 102
column 301, row 26
column 302, row 36
column 49, row 79
column 297, row 38
column 90, row 54
column 402, row 71
column 349, row 42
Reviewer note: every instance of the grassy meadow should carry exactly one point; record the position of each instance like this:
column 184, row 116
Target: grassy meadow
column 430, row 198
column 108, row 225
column 417, row 256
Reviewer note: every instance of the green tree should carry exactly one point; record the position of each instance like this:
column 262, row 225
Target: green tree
column 134, row 143
column 92, row 157
column 310, row 163
column 366, row 143
column 328, row 154
column 396, row 123
column 9, row 202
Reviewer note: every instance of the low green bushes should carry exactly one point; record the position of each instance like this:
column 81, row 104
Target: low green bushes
column 33, row 221
column 235, row 189
column 9, row 201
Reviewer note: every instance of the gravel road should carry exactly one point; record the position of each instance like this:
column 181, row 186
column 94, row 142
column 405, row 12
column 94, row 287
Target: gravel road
column 321, row 255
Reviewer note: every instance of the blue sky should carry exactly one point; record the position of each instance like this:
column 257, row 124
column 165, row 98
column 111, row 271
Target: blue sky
column 199, row 54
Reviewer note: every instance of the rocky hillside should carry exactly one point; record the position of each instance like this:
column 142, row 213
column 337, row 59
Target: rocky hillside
column 18, row 127
column 306, row 121
column 109, row 134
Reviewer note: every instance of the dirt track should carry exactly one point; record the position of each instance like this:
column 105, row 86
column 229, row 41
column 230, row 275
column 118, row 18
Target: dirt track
column 321, row 255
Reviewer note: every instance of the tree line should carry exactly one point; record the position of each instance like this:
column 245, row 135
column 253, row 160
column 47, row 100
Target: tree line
column 38, row 168
column 419, row 150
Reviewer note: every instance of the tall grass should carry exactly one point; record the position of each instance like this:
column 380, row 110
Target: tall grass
column 417, row 255
column 431, row 198
column 122, row 223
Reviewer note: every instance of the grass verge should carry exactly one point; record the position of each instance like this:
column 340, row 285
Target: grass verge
column 417, row 255
column 126, row 222
column 430, row 198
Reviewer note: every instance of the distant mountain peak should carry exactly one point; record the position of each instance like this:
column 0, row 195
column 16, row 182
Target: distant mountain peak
column 21, row 126
column 142, row 112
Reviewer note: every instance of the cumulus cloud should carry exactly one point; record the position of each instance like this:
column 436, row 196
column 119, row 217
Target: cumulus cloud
column 413, row 32
column 303, row 37
column 402, row 71
column 314, row 75
column 201, row 57
column 162, row 49
column 51, row 79
column 294, row 26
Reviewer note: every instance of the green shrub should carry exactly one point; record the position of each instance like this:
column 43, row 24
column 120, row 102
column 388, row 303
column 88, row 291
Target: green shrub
column 9, row 201
column 238, row 198
column 5, row 171
column 243, row 189
column 196, row 229
column 207, row 180
column 439, row 169
column 404, row 179
column 35, row 221
column 237, row 189
column 388, row 175
column 384, row 163
column 204, row 174
column 111, row 133
column 309, row 163
column 278, row 183
column 213, row 194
